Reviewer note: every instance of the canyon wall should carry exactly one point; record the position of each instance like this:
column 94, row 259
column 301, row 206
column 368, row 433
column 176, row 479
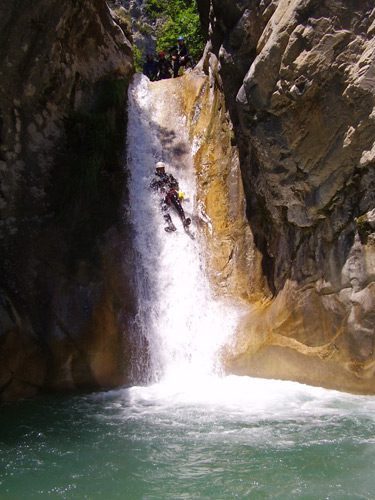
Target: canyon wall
column 232, row 258
column 65, row 67
column 298, row 78
column 282, row 127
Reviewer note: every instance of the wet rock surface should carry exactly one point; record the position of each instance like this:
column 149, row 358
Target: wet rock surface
column 298, row 78
column 64, row 72
column 233, row 261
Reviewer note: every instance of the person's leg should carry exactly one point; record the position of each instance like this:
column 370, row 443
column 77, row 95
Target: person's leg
column 185, row 220
column 176, row 67
column 168, row 219
column 177, row 205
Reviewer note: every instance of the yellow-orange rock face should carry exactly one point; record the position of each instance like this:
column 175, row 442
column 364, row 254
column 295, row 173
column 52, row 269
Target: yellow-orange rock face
column 234, row 263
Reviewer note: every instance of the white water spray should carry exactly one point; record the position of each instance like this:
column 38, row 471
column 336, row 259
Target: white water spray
column 183, row 324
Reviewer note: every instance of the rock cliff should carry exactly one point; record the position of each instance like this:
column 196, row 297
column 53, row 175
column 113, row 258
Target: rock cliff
column 65, row 67
column 298, row 78
column 284, row 121
column 143, row 28
column 233, row 260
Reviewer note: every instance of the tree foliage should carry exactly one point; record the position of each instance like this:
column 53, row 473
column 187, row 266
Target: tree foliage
column 178, row 18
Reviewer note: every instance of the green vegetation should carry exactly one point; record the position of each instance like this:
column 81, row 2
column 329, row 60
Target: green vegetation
column 364, row 227
column 138, row 59
column 122, row 17
column 180, row 18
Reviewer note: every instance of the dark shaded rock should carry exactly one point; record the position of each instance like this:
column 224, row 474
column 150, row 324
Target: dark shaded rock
column 64, row 68
column 204, row 12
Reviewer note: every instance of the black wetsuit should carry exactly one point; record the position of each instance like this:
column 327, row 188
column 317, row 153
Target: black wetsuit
column 167, row 185
column 162, row 182
column 164, row 69
column 172, row 199
column 181, row 58
column 150, row 69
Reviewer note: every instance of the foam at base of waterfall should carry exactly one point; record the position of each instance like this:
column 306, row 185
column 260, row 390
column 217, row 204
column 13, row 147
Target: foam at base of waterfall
column 251, row 399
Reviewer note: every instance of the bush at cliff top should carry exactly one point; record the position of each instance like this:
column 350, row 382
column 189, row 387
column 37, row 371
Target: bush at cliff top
column 180, row 18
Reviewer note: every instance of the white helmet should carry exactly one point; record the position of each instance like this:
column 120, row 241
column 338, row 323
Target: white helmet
column 160, row 166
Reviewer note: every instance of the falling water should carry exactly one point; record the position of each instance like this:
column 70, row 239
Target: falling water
column 183, row 324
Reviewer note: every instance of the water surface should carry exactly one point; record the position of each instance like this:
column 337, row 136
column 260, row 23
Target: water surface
column 222, row 438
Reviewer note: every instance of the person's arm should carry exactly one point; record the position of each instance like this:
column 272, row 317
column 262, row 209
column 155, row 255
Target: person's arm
column 184, row 53
column 173, row 182
column 154, row 184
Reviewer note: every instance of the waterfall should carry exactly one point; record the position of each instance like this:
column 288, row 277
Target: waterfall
column 178, row 321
